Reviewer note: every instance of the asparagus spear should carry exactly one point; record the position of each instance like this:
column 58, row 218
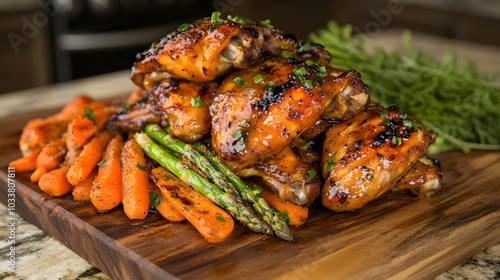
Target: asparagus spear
column 159, row 135
column 210, row 164
column 239, row 211
column 251, row 195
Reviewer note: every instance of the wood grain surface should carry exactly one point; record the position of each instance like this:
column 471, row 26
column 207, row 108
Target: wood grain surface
column 395, row 237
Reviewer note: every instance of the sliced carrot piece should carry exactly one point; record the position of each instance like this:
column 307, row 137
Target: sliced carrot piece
column 81, row 192
column 55, row 182
column 297, row 214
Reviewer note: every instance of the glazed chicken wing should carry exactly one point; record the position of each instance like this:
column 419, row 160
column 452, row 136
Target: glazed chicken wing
column 182, row 105
column 259, row 111
column 364, row 156
column 208, row 49
column 423, row 179
column 293, row 174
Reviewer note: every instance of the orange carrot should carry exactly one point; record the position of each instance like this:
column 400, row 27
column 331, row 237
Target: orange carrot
column 136, row 95
column 55, row 182
column 52, row 155
column 37, row 174
column 80, row 130
column 39, row 132
column 26, row 163
column 297, row 214
column 106, row 189
column 168, row 211
column 75, row 107
column 81, row 167
column 164, row 207
column 81, row 192
column 103, row 115
column 135, row 181
column 213, row 223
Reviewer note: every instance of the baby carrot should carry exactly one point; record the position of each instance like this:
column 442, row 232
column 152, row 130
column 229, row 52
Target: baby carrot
column 168, row 211
column 86, row 161
column 55, row 182
column 135, row 181
column 297, row 214
column 26, row 163
column 213, row 223
column 81, row 192
column 106, row 189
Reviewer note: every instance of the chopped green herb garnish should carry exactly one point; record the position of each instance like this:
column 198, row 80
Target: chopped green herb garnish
column 244, row 123
column 318, row 83
column 174, row 196
column 302, row 71
column 330, row 164
column 101, row 163
column 394, row 140
column 257, row 189
column 305, row 47
column 170, row 216
column 267, row 23
column 407, row 122
column 283, row 215
column 310, row 63
column 154, row 44
column 384, row 114
column 196, row 102
column 141, row 167
column 287, row 54
column 269, row 87
column 220, row 218
column 311, row 173
column 305, row 147
column 237, row 134
column 215, row 19
column 127, row 106
column 258, row 78
column 385, row 122
column 370, row 177
column 239, row 81
column 400, row 141
column 154, row 199
column 89, row 114
column 168, row 177
column 308, row 84
column 403, row 116
column 183, row 27
column 322, row 72
column 238, row 19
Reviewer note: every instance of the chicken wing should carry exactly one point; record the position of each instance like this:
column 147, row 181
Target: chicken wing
column 207, row 49
column 259, row 111
column 293, row 174
column 423, row 179
column 365, row 155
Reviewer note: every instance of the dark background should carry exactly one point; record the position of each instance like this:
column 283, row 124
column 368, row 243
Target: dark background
column 44, row 41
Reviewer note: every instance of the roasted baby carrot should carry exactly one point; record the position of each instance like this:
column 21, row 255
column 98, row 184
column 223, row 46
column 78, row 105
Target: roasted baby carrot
column 39, row 132
column 168, row 211
column 37, row 174
column 213, row 223
column 52, row 155
column 55, row 182
column 26, row 163
column 135, row 181
column 297, row 214
column 76, row 106
column 106, row 189
column 80, row 130
column 86, row 161
column 81, row 192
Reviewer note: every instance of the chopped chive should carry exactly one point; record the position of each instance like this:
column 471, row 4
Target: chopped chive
column 269, row 87
column 154, row 199
column 170, row 216
column 370, row 177
column 267, row 23
column 239, row 81
column 305, row 147
column 127, row 106
column 308, row 84
column 330, row 164
column 394, row 140
column 244, row 123
column 310, row 63
column 311, row 173
column 215, row 19
column 318, row 83
column 385, row 122
column 168, row 177
column 141, row 167
column 403, row 116
column 305, row 47
column 174, row 196
column 237, row 134
column 400, row 141
column 384, row 114
column 238, row 19
column 322, row 72
column 196, row 102
column 101, row 163
column 183, row 27
column 300, row 71
column 89, row 114
column 258, row 78
column 407, row 123
column 154, row 44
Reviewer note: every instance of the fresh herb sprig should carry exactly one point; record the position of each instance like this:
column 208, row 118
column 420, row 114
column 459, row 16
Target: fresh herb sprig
column 451, row 98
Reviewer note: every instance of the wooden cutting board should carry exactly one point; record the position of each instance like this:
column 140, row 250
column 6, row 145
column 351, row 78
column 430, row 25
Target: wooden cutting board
column 395, row 237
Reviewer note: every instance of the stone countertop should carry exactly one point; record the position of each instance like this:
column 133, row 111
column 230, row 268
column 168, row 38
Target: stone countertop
column 41, row 257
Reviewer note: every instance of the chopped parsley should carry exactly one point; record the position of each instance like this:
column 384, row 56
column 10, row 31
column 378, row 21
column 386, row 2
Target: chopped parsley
column 311, row 173
column 127, row 106
column 101, row 163
column 168, row 177
column 244, row 123
column 183, row 27
column 141, row 167
column 237, row 134
column 385, row 122
column 330, row 164
column 269, row 87
column 174, row 196
column 89, row 114
column 154, row 199
column 283, row 215
column 370, row 177
column 384, row 114
column 220, row 218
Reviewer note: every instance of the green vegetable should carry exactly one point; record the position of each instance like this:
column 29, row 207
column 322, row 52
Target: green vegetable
column 258, row 78
column 241, row 82
column 101, row 163
column 141, row 167
column 330, row 164
column 183, row 27
column 89, row 114
column 244, row 123
column 267, row 23
column 311, row 173
column 460, row 105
